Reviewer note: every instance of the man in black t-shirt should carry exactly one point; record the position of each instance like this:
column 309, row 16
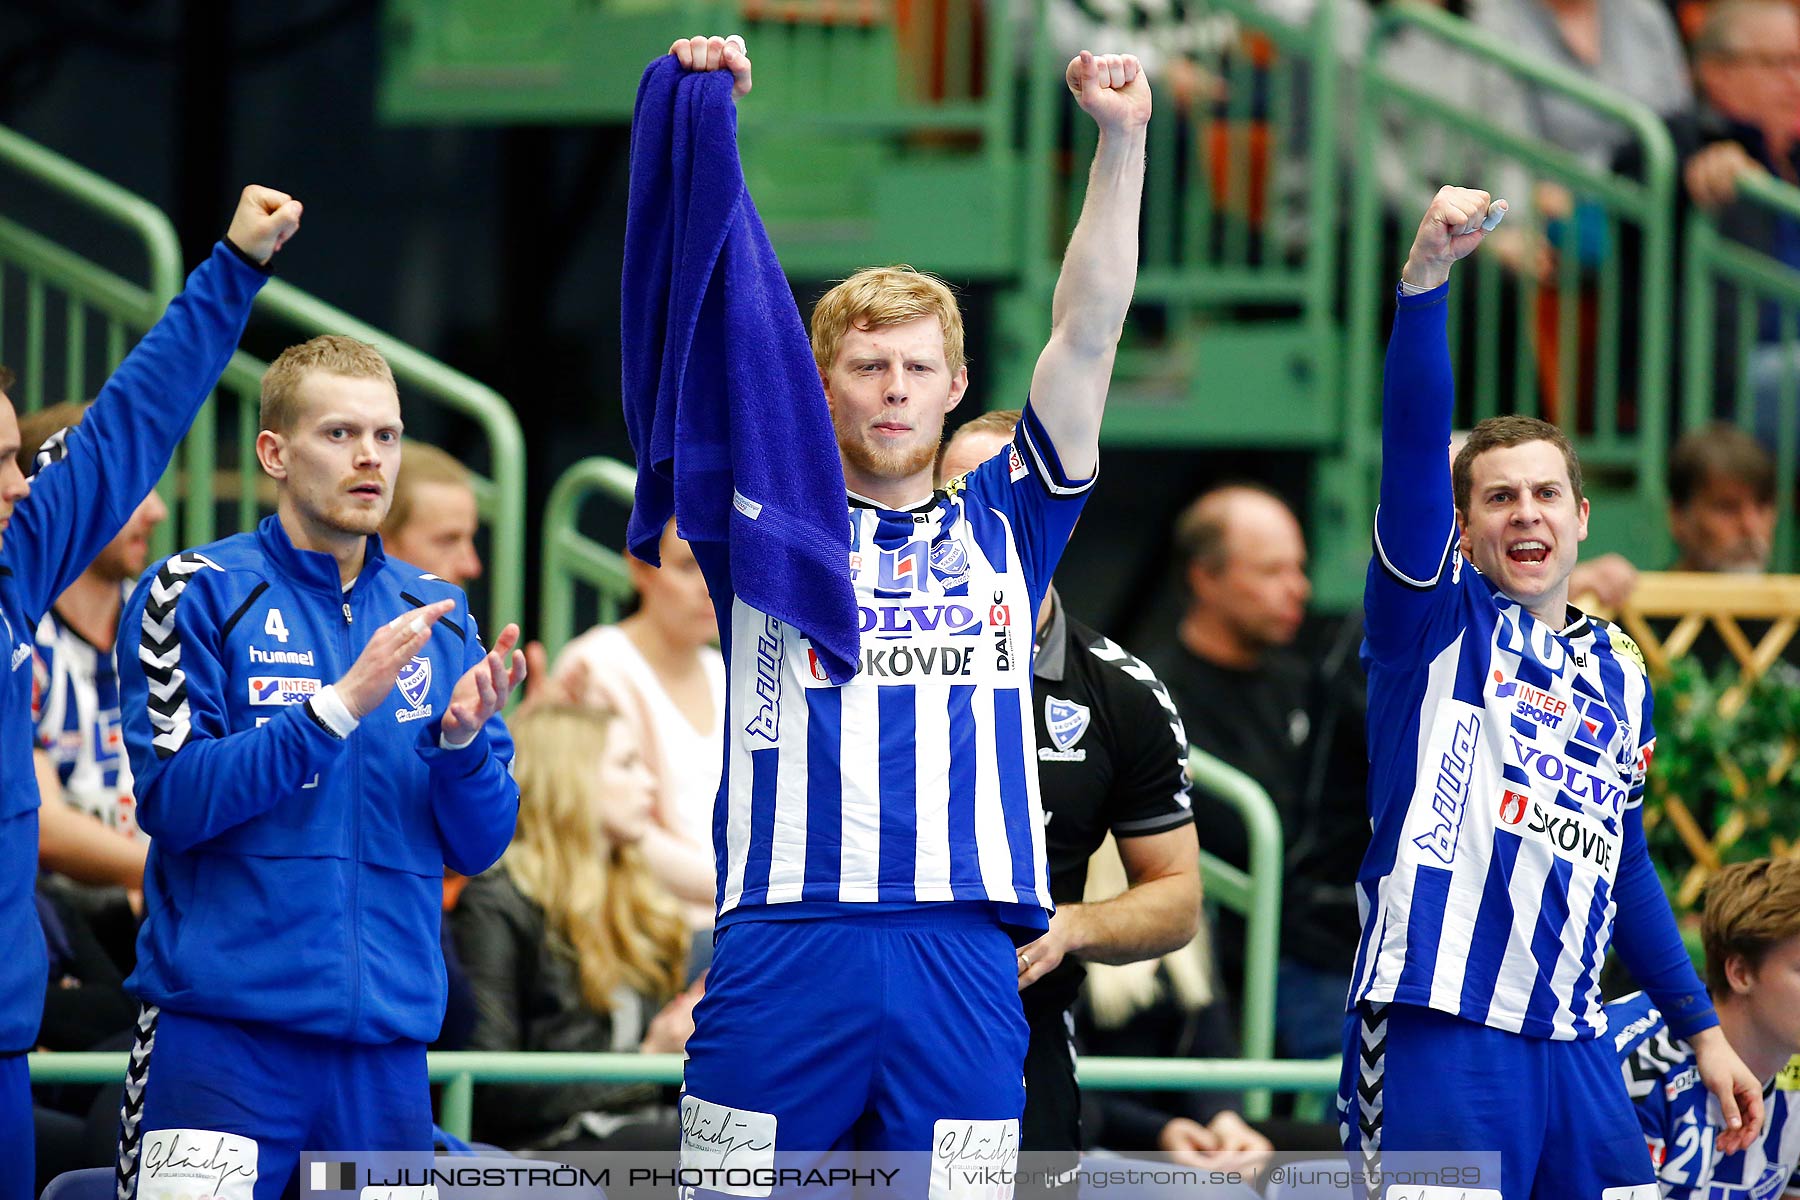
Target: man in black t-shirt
column 1112, row 758
column 1293, row 725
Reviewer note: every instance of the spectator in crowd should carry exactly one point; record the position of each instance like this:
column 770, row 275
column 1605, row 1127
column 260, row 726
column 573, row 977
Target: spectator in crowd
column 1111, row 759
column 1628, row 46
column 434, row 518
column 661, row 671
column 1249, row 698
column 1747, row 64
column 1751, row 931
column 1721, row 501
column 572, row 943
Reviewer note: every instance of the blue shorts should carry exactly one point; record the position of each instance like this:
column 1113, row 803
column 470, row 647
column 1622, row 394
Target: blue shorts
column 247, row 1099
column 876, row 1032
column 18, row 1167
column 1557, row 1112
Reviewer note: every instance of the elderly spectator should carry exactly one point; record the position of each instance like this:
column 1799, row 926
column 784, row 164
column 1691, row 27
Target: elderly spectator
column 1747, row 63
column 1249, row 698
column 434, row 517
column 1721, row 501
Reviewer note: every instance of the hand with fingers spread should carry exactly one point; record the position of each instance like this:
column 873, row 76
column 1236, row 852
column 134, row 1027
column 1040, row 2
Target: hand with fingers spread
column 1458, row 219
column 701, row 53
column 483, row 689
column 373, row 675
column 265, row 219
column 1111, row 88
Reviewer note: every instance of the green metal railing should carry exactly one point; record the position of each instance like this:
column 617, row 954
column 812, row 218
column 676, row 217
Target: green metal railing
column 76, row 319
column 460, row 1071
column 1550, row 346
column 1721, row 273
column 1256, row 893
column 571, row 558
column 62, row 354
column 1236, row 183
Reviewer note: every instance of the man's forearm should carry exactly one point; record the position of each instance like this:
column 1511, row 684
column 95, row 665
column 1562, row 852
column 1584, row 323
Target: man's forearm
column 72, row 843
column 1148, row 920
column 1099, row 268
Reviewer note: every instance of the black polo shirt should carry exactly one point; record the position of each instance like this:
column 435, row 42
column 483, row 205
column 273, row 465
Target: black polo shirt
column 1112, row 758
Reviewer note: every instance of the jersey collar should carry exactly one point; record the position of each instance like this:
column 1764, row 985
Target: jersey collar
column 926, row 505
column 313, row 569
column 1052, row 658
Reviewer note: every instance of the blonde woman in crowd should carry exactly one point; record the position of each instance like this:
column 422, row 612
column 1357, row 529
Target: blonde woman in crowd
column 572, row 943
column 661, row 671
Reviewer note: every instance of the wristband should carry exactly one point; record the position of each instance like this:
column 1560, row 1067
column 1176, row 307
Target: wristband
column 329, row 710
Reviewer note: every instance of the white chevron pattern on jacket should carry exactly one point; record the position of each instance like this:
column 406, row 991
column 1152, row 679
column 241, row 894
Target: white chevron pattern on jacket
column 131, row 1109
column 159, row 649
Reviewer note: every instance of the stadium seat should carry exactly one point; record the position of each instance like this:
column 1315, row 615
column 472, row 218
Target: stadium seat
column 91, row 1183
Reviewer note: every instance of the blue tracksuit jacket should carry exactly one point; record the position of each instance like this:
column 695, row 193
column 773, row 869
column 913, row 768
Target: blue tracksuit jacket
column 112, row 459
column 294, row 877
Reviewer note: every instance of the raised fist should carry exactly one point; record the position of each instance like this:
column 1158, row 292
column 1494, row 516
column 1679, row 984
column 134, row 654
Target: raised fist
column 265, row 219
column 1458, row 219
column 701, row 53
column 1111, row 88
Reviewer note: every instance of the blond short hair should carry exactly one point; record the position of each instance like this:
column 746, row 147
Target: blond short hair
column 876, row 297
column 331, row 353
column 1751, row 907
column 421, row 465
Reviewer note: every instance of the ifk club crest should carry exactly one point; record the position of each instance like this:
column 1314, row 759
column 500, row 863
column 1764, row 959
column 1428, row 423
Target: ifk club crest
column 415, row 680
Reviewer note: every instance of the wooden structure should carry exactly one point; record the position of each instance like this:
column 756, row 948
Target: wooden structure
column 1666, row 615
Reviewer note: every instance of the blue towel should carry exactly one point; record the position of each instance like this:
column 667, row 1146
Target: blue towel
column 722, row 399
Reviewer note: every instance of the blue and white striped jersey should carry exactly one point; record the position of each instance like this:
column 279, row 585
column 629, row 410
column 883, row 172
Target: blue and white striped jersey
column 917, row 780
column 75, row 715
column 1681, row 1122
column 1503, row 756
column 1506, row 763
